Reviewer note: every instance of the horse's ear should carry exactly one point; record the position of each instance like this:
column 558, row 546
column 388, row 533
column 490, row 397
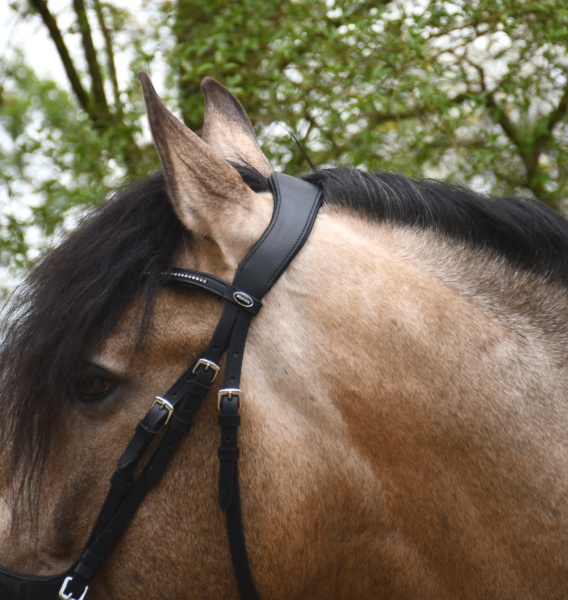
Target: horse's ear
column 228, row 130
column 208, row 195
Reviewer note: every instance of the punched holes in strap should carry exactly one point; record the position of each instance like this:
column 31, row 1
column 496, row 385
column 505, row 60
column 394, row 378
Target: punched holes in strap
column 229, row 421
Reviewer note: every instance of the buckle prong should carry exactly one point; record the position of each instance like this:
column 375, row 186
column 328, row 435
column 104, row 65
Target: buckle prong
column 229, row 393
column 63, row 595
column 208, row 364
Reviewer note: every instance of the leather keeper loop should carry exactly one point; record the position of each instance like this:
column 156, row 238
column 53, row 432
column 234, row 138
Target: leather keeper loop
column 121, row 485
column 228, row 453
column 180, row 424
column 147, row 432
column 133, row 452
column 85, row 571
column 92, row 560
column 198, row 388
column 229, row 420
column 153, row 420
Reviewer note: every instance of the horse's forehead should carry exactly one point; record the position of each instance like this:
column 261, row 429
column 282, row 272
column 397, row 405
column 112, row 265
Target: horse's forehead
column 180, row 322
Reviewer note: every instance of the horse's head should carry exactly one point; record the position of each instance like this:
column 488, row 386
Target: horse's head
column 78, row 415
column 97, row 336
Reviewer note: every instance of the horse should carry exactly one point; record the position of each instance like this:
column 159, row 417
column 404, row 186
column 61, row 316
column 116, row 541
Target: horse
column 404, row 395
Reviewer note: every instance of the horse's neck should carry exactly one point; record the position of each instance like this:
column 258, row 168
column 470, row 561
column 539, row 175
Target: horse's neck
column 528, row 304
column 396, row 370
column 401, row 298
column 388, row 326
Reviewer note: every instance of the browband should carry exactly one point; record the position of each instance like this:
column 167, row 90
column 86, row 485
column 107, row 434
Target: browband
column 296, row 204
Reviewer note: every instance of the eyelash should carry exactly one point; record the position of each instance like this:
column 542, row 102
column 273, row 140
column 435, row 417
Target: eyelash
column 93, row 384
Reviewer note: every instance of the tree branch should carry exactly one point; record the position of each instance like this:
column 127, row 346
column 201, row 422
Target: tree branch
column 553, row 118
column 99, row 96
column 414, row 113
column 502, row 118
column 109, row 54
column 497, row 114
column 76, row 85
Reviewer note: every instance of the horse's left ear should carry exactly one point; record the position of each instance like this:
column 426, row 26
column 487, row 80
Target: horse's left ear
column 228, row 130
column 208, row 194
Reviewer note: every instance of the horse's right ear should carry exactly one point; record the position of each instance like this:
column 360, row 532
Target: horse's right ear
column 228, row 130
column 207, row 193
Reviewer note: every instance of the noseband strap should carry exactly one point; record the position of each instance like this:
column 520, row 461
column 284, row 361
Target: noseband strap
column 296, row 204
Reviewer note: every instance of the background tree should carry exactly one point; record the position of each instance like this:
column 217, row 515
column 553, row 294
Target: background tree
column 469, row 90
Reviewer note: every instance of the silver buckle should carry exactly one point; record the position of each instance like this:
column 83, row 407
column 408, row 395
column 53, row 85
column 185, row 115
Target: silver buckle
column 208, row 364
column 64, row 596
column 164, row 404
column 229, row 393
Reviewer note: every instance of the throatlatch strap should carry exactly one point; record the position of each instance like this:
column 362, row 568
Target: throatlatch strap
column 296, row 204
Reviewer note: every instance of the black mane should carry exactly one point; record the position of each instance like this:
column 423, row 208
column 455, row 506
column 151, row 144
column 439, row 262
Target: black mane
column 72, row 299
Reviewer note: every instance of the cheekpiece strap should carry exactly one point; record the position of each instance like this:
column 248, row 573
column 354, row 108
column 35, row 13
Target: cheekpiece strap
column 296, row 205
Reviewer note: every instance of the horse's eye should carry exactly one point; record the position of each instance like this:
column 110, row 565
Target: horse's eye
column 93, row 383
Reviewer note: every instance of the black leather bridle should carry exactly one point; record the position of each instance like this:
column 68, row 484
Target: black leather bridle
column 296, row 204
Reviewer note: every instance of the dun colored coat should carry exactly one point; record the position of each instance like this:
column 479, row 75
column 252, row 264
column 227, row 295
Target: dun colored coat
column 405, row 386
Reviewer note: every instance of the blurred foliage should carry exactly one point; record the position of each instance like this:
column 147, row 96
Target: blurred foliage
column 472, row 91
column 469, row 90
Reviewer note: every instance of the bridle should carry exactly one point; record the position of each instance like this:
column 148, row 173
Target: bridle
column 296, row 204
